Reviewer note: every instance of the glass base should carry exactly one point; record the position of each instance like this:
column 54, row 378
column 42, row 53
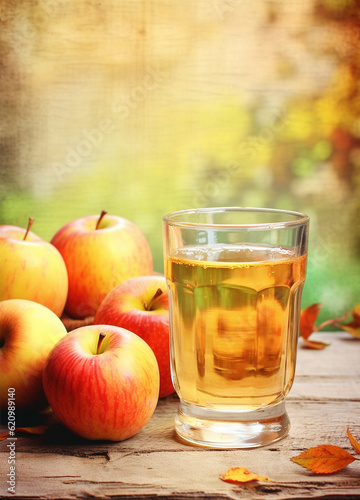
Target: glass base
column 223, row 429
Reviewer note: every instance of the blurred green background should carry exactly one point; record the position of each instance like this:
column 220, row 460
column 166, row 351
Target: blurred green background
column 145, row 107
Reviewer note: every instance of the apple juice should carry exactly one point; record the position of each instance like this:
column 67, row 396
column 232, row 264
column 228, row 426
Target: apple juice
column 234, row 315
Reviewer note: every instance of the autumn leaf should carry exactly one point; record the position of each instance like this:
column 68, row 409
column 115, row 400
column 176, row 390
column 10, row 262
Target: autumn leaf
column 356, row 314
column 3, row 435
column 324, row 459
column 353, row 441
column 355, row 331
column 315, row 344
column 239, row 475
column 308, row 317
column 353, row 326
column 38, row 430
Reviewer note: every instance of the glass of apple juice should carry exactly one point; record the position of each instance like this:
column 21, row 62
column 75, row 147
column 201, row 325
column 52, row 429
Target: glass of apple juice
column 235, row 278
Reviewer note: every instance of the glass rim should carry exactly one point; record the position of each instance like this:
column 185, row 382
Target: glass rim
column 300, row 218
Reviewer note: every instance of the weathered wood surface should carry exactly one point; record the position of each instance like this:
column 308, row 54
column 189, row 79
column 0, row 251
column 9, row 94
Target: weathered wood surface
column 324, row 401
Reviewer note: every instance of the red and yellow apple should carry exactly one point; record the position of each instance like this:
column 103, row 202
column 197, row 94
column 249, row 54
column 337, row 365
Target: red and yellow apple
column 141, row 305
column 31, row 269
column 99, row 253
column 28, row 332
column 102, row 382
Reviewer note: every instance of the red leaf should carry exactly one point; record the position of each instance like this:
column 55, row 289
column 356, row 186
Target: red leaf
column 356, row 314
column 38, row 430
column 324, row 459
column 308, row 317
column 315, row 344
column 353, row 441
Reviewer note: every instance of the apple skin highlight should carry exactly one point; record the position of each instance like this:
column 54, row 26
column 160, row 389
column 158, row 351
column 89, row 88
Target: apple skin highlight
column 108, row 395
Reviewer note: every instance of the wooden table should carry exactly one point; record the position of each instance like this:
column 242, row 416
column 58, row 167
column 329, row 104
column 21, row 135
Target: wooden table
column 323, row 402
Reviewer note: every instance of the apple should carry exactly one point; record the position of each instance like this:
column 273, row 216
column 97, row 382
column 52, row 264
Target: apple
column 99, row 253
column 102, row 382
column 141, row 305
column 28, row 332
column 31, row 269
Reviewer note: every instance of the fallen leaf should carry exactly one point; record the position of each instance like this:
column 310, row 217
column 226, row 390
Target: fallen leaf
column 38, row 430
column 314, row 344
column 351, row 328
column 308, row 317
column 353, row 441
column 356, row 314
column 324, row 459
column 239, row 475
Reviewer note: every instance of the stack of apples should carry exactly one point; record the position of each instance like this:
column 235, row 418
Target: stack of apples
column 102, row 380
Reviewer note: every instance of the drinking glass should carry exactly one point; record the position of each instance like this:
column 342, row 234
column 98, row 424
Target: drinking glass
column 235, row 277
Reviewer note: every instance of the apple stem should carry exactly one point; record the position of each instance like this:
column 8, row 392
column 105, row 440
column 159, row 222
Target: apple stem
column 30, row 223
column 156, row 295
column 101, row 338
column 102, row 215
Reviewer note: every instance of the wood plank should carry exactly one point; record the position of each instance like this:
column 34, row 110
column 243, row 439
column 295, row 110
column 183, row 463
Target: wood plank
column 135, row 467
column 155, row 464
column 340, row 358
column 336, row 366
column 190, row 474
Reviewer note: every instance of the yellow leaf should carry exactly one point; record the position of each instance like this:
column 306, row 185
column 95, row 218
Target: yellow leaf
column 354, row 330
column 353, row 326
column 239, row 475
